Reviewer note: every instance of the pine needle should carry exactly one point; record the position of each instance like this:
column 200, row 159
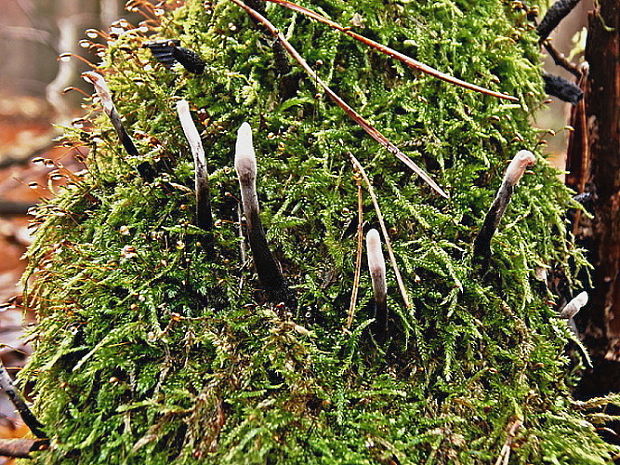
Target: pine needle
column 355, row 116
column 414, row 64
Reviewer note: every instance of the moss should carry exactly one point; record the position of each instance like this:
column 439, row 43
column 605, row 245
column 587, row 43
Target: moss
column 161, row 356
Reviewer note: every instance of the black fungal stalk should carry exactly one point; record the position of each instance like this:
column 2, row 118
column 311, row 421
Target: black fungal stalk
column 556, row 13
column 189, row 59
column 204, row 217
column 563, row 89
column 376, row 267
column 6, row 384
column 269, row 273
column 514, row 172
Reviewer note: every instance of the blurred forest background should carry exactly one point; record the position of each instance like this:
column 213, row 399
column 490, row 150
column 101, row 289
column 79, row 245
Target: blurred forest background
column 36, row 100
column 34, row 104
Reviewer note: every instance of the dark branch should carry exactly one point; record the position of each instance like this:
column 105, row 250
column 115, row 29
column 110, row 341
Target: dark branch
column 560, row 60
column 6, row 384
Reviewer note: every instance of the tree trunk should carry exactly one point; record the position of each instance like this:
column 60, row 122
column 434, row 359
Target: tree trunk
column 594, row 163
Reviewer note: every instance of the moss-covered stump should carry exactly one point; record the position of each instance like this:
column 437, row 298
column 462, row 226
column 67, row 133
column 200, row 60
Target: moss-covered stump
column 150, row 352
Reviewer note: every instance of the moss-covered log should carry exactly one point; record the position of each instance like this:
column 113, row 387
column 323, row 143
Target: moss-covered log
column 150, row 352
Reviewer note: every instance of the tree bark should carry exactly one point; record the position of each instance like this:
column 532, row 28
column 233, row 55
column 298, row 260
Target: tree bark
column 594, row 162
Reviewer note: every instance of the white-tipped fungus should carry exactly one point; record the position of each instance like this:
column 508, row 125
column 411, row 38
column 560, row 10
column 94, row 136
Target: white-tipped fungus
column 572, row 308
column 102, row 90
column 269, row 273
column 204, row 218
column 514, row 173
column 245, row 157
column 191, row 133
column 376, row 266
column 245, row 165
column 521, row 161
column 376, row 262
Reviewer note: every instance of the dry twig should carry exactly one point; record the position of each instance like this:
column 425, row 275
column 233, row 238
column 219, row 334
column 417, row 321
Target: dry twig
column 358, row 257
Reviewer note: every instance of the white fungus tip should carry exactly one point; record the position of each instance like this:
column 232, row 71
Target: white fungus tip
column 182, row 107
column 102, row 89
column 191, row 133
column 518, row 165
column 582, row 299
column 573, row 307
column 376, row 261
column 245, row 158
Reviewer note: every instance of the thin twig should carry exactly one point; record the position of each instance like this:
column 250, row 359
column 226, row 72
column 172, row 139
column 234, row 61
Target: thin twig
column 560, row 60
column 21, row 448
column 504, row 455
column 358, row 258
column 365, row 125
column 6, row 384
column 414, row 64
column 388, row 243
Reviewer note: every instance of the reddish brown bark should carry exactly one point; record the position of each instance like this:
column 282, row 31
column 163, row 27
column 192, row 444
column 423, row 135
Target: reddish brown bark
column 594, row 159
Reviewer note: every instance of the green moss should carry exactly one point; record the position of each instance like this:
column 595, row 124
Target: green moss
column 161, row 356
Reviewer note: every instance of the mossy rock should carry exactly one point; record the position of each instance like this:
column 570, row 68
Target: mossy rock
column 149, row 352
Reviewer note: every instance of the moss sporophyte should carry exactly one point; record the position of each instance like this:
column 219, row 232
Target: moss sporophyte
column 207, row 299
